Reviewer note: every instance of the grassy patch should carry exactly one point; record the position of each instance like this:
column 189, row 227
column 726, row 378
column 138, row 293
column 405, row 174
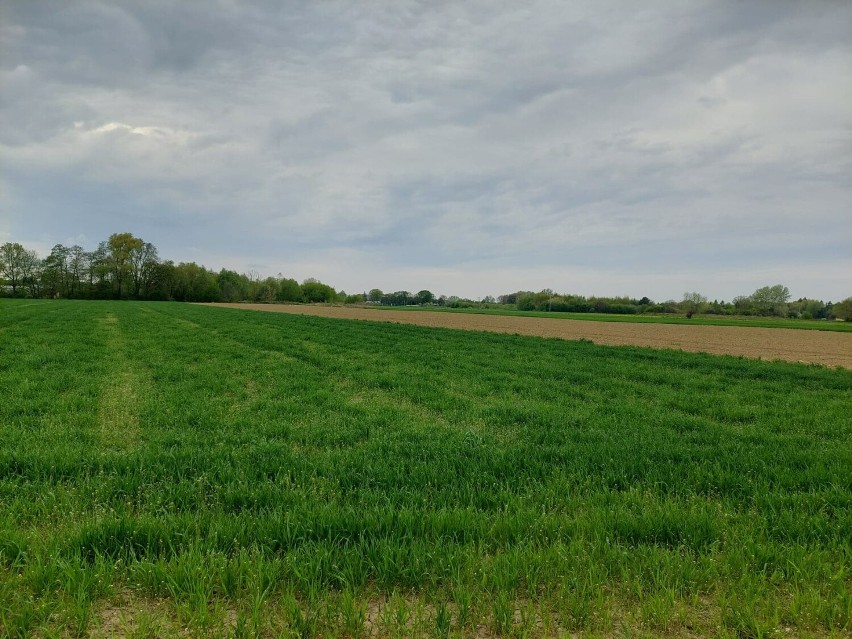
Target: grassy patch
column 175, row 470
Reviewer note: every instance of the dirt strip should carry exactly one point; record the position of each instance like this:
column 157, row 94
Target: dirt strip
column 793, row 345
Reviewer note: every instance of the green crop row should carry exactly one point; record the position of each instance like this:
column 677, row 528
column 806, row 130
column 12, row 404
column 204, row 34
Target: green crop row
column 176, row 470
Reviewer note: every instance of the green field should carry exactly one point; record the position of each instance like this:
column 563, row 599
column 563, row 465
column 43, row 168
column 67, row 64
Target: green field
column 177, row 470
column 698, row 320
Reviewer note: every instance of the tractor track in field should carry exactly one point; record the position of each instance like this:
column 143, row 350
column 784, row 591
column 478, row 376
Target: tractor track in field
column 793, row 345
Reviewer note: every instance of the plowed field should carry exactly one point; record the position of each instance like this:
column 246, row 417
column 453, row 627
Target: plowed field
column 812, row 347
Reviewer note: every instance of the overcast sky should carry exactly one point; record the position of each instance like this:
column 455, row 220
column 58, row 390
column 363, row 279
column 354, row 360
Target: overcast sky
column 470, row 148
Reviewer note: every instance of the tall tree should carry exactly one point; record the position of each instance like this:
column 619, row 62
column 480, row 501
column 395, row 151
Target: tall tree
column 843, row 310
column 78, row 265
column 268, row 290
column 143, row 259
column 771, row 299
column 289, row 290
column 120, row 247
column 693, row 303
column 100, row 269
column 163, row 281
column 56, row 276
column 194, row 283
column 12, row 257
column 232, row 285
column 315, row 291
column 31, row 270
column 424, row 297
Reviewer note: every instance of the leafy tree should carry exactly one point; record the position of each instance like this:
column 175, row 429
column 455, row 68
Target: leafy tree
column 232, row 286
column 99, row 269
column 143, row 258
column 163, row 281
column 194, row 283
column 289, row 291
column 31, row 271
column 56, row 278
column 526, row 301
column 771, row 300
column 807, row 309
column 12, row 257
column 693, row 303
column 742, row 304
column 717, row 307
column 398, row 298
column 512, row 298
column 120, row 251
column 315, row 291
column 424, row 297
column 268, row 290
column 375, row 295
column 843, row 310
column 78, row 263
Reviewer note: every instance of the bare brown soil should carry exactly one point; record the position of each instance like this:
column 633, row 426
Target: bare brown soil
column 793, row 345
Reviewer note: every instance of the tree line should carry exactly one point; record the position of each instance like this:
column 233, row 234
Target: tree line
column 127, row 267
column 766, row 301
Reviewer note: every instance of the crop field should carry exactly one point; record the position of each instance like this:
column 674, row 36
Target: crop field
column 830, row 348
column 698, row 320
column 171, row 470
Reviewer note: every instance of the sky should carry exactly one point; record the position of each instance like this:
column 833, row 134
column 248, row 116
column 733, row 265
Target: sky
column 469, row 148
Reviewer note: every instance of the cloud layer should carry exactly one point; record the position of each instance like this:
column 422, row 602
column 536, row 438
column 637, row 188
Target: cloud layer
column 471, row 148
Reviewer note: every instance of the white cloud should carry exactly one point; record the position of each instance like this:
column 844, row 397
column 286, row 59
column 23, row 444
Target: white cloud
column 454, row 141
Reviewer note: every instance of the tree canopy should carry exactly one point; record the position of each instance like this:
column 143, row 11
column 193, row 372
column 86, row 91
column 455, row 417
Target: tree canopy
column 127, row 267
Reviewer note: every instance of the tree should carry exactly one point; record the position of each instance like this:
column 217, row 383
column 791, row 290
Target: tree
column 267, row 290
column 12, row 256
column 805, row 308
column 771, row 300
column 424, row 297
column 289, row 291
column 194, row 283
column 843, row 310
column 120, row 252
column 398, row 298
column 512, row 298
column 143, row 258
column 31, row 270
column 232, row 285
column 163, row 281
column 315, row 291
column 78, row 263
column 693, row 303
column 99, row 269
column 525, row 301
column 56, row 277
column 742, row 304
column 375, row 295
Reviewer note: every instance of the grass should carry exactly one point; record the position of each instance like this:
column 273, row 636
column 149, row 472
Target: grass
column 698, row 320
column 176, row 470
